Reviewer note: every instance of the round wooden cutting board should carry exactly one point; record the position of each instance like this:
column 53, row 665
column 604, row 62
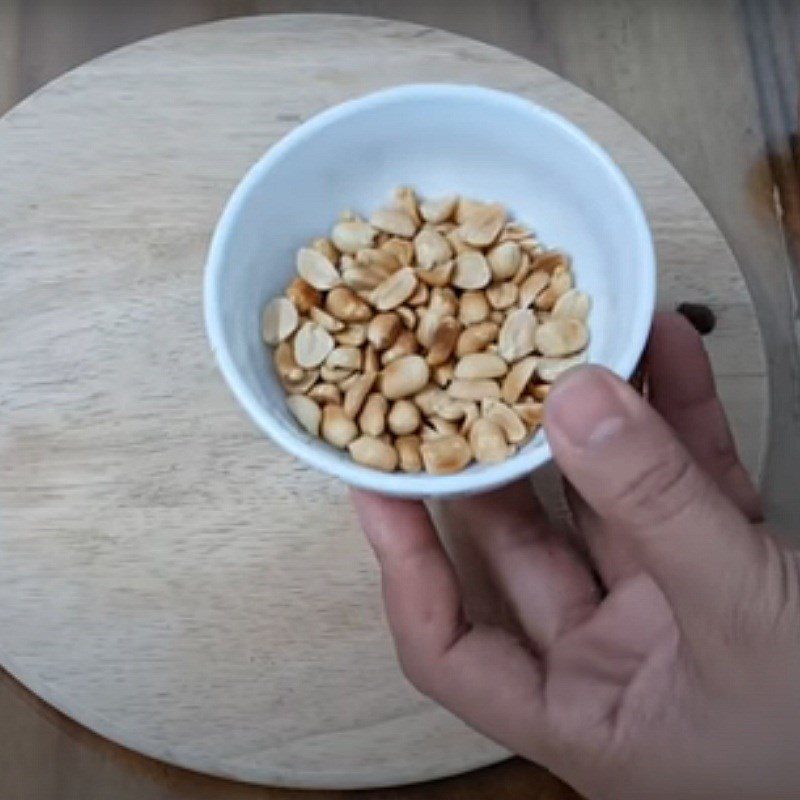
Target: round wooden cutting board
column 167, row 576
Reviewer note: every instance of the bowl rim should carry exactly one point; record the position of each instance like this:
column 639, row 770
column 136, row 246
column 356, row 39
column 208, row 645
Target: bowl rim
column 318, row 454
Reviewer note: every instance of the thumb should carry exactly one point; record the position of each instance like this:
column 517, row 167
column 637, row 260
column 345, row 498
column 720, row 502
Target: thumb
column 626, row 463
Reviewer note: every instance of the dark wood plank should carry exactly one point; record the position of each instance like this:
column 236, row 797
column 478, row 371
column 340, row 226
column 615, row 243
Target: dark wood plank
column 771, row 29
column 44, row 755
column 51, row 36
column 10, row 57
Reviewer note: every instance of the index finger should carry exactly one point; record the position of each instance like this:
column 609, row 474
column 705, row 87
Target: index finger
column 682, row 390
column 481, row 673
column 546, row 583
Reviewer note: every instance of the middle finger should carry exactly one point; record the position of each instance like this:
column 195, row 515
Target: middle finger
column 546, row 583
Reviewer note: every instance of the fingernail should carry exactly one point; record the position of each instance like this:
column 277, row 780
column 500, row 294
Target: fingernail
column 585, row 408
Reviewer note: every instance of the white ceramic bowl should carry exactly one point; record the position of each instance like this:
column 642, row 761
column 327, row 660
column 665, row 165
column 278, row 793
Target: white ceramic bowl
column 439, row 139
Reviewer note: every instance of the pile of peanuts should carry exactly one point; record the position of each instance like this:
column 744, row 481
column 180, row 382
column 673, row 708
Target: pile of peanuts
column 428, row 336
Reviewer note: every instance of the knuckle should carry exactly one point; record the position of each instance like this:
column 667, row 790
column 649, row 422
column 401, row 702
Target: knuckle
column 416, row 671
column 661, row 491
column 721, row 447
column 765, row 607
column 725, row 459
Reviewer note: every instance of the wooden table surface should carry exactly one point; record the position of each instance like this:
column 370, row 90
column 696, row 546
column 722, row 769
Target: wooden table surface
column 714, row 85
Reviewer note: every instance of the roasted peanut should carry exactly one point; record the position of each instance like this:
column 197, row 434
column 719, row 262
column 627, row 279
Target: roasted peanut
column 456, row 242
column 404, row 377
column 315, row 269
column 550, row 369
column 444, row 341
column 431, row 249
column 405, row 345
column 518, row 377
column 407, row 317
column 517, row 337
column 394, row 221
column 347, row 382
column 467, row 389
column 404, row 417
column 346, row 305
column 344, row 358
column 335, row 375
column 504, row 260
column 383, row 330
column 559, row 336
column 420, row 295
column 438, row 210
column 482, row 225
column 471, row 271
column 337, row 428
column 444, row 301
column 532, row 287
column 372, row 419
column 445, row 454
column 531, row 246
column 350, row 236
column 477, row 366
column 429, row 322
column 504, row 416
column 531, row 413
column 471, row 415
column 572, row 304
column 312, row 344
column 514, row 232
column 408, row 451
column 502, row 295
column 324, row 393
column 525, row 269
column 303, row 295
column 437, row 276
column 371, row 361
column 406, row 200
column 373, row 452
column 354, row 335
column 475, row 338
column 381, row 262
column 540, row 391
column 357, row 393
column 326, row 247
column 474, row 307
column 306, row 412
column 438, row 426
column 331, row 324
column 427, row 337
column 427, row 399
column 401, row 249
column 395, row 290
column 550, row 261
column 279, row 321
column 449, row 409
column 444, row 373
column 304, row 384
column 361, row 278
column 488, row 442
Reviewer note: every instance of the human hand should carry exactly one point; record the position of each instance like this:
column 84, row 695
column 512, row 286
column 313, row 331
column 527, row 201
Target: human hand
column 677, row 673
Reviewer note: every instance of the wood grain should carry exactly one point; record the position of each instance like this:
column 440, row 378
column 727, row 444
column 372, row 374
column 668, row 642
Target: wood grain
column 727, row 122
column 69, row 762
column 706, row 118
column 168, row 577
column 714, row 86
